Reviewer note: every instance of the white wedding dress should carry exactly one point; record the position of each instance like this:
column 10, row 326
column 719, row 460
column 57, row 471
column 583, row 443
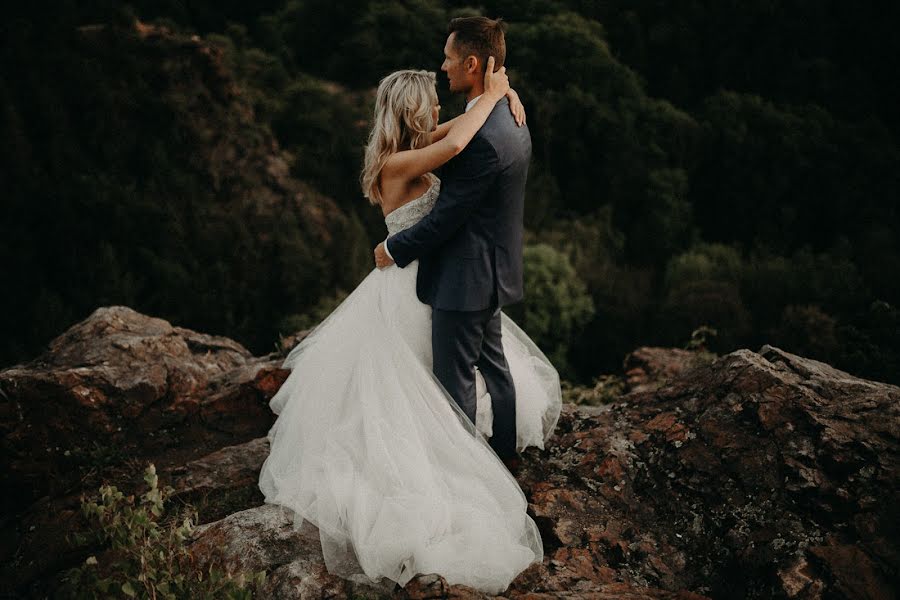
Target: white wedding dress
column 369, row 448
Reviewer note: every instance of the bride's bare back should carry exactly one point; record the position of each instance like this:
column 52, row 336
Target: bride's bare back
column 397, row 191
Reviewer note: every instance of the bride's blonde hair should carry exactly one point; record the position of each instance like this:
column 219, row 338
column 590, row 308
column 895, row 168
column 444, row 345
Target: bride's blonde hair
column 403, row 121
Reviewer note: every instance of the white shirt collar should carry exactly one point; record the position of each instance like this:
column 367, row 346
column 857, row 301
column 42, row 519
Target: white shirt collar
column 472, row 102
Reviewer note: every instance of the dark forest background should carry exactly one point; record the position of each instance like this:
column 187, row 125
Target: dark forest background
column 698, row 163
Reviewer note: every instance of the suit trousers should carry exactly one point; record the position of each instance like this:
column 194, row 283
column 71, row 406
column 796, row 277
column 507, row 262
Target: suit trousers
column 462, row 340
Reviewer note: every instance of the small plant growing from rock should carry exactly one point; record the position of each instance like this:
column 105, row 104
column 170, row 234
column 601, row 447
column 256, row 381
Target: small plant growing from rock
column 147, row 555
column 700, row 338
column 606, row 389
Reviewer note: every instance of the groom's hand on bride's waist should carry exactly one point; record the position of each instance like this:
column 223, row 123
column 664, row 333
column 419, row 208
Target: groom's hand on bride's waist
column 382, row 258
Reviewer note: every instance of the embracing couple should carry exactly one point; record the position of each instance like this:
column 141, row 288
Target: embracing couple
column 406, row 408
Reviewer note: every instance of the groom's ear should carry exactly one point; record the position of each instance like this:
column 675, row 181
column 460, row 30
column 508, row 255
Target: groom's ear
column 471, row 64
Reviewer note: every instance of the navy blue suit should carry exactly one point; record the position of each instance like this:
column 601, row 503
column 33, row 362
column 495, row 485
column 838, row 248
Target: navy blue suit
column 469, row 249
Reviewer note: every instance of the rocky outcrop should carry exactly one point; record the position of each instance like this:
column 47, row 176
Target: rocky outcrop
column 265, row 538
column 124, row 385
column 761, row 475
column 222, row 482
column 757, row 475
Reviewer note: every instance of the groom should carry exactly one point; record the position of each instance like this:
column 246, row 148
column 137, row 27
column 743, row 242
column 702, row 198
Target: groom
column 470, row 246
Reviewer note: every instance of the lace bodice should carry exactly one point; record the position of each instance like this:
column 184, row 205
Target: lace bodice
column 412, row 212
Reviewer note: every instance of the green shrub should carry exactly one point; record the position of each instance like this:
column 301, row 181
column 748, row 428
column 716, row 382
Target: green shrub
column 556, row 304
column 700, row 338
column 606, row 389
column 809, row 331
column 310, row 319
column 147, row 554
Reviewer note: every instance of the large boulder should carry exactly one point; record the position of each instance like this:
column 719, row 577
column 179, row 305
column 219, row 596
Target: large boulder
column 223, row 482
column 123, row 385
column 265, row 538
column 762, row 475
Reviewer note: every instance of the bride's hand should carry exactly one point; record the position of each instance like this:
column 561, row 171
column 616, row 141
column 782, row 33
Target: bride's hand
column 495, row 84
column 516, row 107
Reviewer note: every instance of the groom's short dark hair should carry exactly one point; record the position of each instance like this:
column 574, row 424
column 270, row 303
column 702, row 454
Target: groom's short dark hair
column 481, row 37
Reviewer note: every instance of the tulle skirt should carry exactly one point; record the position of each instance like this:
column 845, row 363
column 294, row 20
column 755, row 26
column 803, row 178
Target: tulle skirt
column 370, row 449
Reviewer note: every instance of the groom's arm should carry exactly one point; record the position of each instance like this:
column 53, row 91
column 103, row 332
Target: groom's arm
column 474, row 172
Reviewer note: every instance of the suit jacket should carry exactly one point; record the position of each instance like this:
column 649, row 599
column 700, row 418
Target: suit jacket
column 470, row 245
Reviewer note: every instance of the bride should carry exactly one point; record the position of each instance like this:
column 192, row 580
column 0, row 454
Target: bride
column 368, row 446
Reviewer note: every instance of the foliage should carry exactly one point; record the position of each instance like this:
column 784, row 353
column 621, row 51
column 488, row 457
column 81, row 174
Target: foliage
column 557, row 304
column 621, row 293
column 869, row 342
column 147, row 555
column 699, row 345
column 809, row 331
column 358, row 41
column 606, row 389
column 699, row 339
column 704, row 262
column 299, row 322
column 146, row 182
column 694, row 167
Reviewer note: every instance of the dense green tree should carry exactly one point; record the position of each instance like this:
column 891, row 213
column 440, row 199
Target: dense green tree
column 713, row 163
column 557, row 305
column 359, row 41
column 146, row 181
